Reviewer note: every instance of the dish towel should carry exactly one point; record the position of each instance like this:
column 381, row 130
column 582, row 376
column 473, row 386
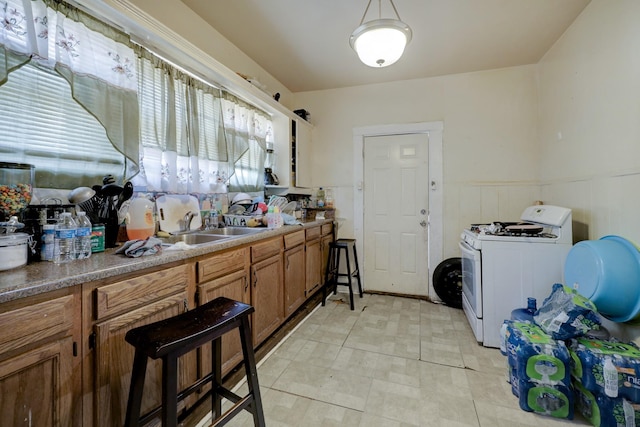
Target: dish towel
column 137, row 248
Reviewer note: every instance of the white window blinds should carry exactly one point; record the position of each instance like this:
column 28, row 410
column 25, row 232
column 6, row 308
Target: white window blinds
column 43, row 125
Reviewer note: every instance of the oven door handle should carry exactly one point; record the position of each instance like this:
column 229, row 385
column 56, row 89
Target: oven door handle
column 468, row 250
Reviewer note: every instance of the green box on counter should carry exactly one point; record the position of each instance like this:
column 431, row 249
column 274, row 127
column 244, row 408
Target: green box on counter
column 97, row 238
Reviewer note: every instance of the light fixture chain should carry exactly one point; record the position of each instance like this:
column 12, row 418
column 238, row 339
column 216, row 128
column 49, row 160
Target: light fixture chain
column 365, row 12
column 395, row 10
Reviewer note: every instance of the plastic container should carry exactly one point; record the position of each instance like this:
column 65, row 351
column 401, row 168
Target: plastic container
column 606, row 271
column 328, row 198
column 525, row 314
column 13, row 250
column 83, row 236
column 65, row 237
column 16, row 188
column 274, row 219
column 48, row 242
column 139, row 219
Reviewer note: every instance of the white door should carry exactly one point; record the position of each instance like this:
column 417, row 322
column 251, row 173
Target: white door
column 396, row 206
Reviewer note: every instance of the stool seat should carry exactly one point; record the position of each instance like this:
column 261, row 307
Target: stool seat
column 333, row 274
column 171, row 338
column 188, row 330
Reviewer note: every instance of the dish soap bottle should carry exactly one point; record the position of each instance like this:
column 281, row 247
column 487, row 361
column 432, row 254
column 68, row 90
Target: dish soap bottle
column 320, row 197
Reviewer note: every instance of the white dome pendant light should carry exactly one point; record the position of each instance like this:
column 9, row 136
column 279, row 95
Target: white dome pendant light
column 380, row 42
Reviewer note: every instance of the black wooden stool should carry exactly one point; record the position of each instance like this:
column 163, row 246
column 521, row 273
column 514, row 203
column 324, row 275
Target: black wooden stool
column 171, row 338
column 332, row 273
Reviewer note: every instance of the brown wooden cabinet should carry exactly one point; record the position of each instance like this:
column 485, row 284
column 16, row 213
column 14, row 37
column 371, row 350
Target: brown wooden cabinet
column 266, row 288
column 116, row 308
column 63, row 357
column 40, row 383
column 224, row 275
column 294, row 272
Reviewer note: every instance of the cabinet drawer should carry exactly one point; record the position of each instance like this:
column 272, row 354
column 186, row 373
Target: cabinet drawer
column 265, row 249
column 221, row 264
column 293, row 239
column 137, row 291
column 36, row 322
column 327, row 229
column 313, row 233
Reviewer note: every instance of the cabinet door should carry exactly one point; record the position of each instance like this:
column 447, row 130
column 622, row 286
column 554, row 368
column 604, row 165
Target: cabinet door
column 266, row 297
column 313, row 265
column 114, row 360
column 303, row 154
column 324, row 246
column 234, row 286
column 294, row 279
column 39, row 382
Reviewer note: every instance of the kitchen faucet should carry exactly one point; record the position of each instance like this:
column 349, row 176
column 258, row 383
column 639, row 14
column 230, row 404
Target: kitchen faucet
column 185, row 224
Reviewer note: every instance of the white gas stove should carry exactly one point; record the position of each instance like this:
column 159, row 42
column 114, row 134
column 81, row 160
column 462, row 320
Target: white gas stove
column 505, row 263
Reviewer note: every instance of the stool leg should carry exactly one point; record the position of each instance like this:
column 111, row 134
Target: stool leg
column 251, row 373
column 351, row 304
column 326, row 276
column 337, row 271
column 355, row 258
column 216, row 373
column 170, row 391
column 135, row 389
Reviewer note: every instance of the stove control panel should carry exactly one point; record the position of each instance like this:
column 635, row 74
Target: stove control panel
column 546, row 214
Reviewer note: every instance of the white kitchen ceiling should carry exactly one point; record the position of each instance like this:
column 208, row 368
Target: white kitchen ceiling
column 305, row 43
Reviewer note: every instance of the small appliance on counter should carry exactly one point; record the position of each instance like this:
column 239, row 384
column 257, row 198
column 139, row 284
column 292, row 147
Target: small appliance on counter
column 270, row 178
column 35, row 217
column 14, row 246
column 16, row 188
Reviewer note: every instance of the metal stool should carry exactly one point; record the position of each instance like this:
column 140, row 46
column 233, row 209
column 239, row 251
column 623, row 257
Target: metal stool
column 171, row 338
column 332, row 273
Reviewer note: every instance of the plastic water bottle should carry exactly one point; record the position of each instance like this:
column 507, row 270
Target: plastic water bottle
column 523, row 314
column 65, row 237
column 610, row 374
column 83, row 236
column 48, row 242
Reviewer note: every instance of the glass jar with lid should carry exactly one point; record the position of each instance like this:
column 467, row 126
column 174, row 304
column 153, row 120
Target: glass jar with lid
column 16, row 188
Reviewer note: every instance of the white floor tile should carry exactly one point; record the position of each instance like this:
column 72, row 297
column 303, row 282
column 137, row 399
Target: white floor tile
column 391, row 362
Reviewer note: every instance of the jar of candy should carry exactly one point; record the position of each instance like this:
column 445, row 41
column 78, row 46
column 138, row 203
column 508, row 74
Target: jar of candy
column 16, row 188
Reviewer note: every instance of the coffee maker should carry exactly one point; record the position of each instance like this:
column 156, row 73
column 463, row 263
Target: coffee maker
column 270, row 178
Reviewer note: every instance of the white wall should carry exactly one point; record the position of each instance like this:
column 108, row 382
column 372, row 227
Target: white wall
column 179, row 18
column 490, row 140
column 590, row 94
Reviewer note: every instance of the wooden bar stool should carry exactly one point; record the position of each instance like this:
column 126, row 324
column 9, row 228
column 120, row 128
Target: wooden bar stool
column 171, row 338
column 332, row 273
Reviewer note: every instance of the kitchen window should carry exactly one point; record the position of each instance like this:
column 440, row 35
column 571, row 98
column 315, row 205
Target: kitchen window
column 45, row 45
column 42, row 125
column 182, row 136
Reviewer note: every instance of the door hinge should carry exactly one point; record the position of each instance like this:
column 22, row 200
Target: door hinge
column 92, row 340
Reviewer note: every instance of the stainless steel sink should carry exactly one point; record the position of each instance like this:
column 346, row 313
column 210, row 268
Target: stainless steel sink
column 194, row 238
column 233, row 231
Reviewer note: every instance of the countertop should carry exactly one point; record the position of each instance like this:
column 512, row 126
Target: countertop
column 43, row 276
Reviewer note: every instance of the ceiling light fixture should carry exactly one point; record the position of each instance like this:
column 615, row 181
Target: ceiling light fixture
column 380, row 42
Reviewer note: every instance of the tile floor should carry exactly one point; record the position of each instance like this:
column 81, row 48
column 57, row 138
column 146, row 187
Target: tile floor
column 392, row 362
